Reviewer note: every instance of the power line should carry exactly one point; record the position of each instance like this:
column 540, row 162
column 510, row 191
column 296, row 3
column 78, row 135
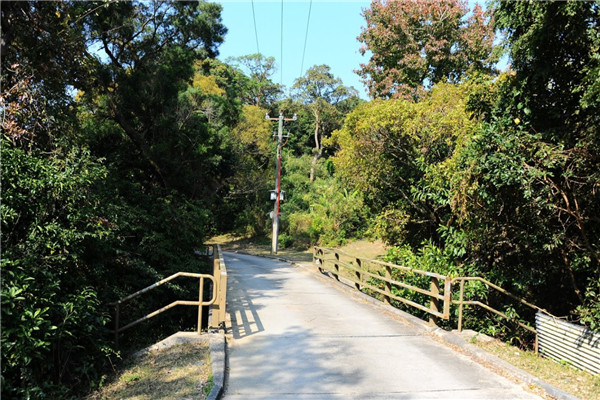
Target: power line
column 305, row 38
column 281, row 59
column 255, row 30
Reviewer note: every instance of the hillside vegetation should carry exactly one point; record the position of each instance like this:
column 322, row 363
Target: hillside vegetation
column 126, row 144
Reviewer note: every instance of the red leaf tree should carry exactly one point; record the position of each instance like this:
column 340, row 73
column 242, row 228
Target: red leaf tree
column 415, row 44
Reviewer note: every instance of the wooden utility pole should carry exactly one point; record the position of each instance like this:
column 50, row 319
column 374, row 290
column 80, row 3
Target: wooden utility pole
column 277, row 191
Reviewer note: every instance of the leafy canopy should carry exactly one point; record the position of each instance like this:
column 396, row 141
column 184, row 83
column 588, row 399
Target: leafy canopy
column 416, row 44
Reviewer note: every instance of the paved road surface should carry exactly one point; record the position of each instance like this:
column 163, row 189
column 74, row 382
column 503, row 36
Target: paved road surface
column 297, row 337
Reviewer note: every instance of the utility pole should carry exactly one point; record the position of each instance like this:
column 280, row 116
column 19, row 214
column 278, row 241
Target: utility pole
column 277, row 191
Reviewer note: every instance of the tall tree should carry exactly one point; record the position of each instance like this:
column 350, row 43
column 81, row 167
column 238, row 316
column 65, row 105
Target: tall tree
column 85, row 214
column 416, row 44
column 149, row 50
column 533, row 213
column 400, row 154
column 260, row 90
column 321, row 91
column 554, row 53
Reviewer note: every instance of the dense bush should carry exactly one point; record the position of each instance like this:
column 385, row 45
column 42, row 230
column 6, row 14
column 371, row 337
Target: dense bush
column 110, row 168
column 54, row 232
column 500, row 174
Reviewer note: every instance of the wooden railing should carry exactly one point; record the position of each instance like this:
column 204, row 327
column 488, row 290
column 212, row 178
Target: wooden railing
column 362, row 272
column 341, row 265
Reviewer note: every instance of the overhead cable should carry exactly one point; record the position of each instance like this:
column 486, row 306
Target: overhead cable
column 281, row 59
column 305, row 38
column 255, row 30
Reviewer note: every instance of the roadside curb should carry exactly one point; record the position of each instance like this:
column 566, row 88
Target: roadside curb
column 450, row 338
column 485, row 357
column 217, row 357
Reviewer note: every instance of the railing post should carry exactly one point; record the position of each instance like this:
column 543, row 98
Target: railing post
column 447, row 297
column 222, row 298
column 358, row 274
column 318, row 259
column 460, row 304
column 200, row 299
column 216, row 260
column 434, row 303
column 216, row 307
column 336, row 266
column 388, row 285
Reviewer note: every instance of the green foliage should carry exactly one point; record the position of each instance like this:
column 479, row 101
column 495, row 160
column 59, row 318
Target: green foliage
column 322, row 211
column 321, row 92
column 543, row 179
column 335, row 215
column 402, row 155
column 53, row 232
column 390, row 225
column 554, row 50
column 589, row 311
column 108, row 191
column 499, row 175
column 447, row 261
column 429, row 257
column 259, row 88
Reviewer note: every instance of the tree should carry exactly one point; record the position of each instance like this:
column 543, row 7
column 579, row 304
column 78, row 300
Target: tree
column 416, row 44
column 43, row 54
column 533, row 172
column 554, row 54
column 149, row 49
column 100, row 189
column 260, row 90
column 321, row 92
column 554, row 51
column 246, row 196
column 400, row 155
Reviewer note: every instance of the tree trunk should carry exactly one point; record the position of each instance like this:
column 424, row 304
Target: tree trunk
column 318, row 149
column 572, row 277
column 138, row 139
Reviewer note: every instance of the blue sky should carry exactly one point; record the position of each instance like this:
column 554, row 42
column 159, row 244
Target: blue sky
column 332, row 32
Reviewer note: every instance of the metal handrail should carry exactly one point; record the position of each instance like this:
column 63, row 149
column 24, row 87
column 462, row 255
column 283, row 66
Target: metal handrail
column 218, row 300
column 200, row 303
column 157, row 284
column 461, row 303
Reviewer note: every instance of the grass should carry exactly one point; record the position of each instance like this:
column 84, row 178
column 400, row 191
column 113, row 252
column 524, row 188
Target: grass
column 578, row 383
column 262, row 246
column 182, row 371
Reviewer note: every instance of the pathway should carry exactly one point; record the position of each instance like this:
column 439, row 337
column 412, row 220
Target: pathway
column 295, row 336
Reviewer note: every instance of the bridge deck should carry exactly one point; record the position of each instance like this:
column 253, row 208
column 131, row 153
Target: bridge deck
column 297, row 337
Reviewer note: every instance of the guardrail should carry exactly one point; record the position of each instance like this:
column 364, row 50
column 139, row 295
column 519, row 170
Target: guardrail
column 461, row 302
column 566, row 342
column 340, row 264
column 337, row 263
column 220, row 274
column 218, row 295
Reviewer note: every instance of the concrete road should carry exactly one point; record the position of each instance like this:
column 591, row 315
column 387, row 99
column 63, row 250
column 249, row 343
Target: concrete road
column 294, row 336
